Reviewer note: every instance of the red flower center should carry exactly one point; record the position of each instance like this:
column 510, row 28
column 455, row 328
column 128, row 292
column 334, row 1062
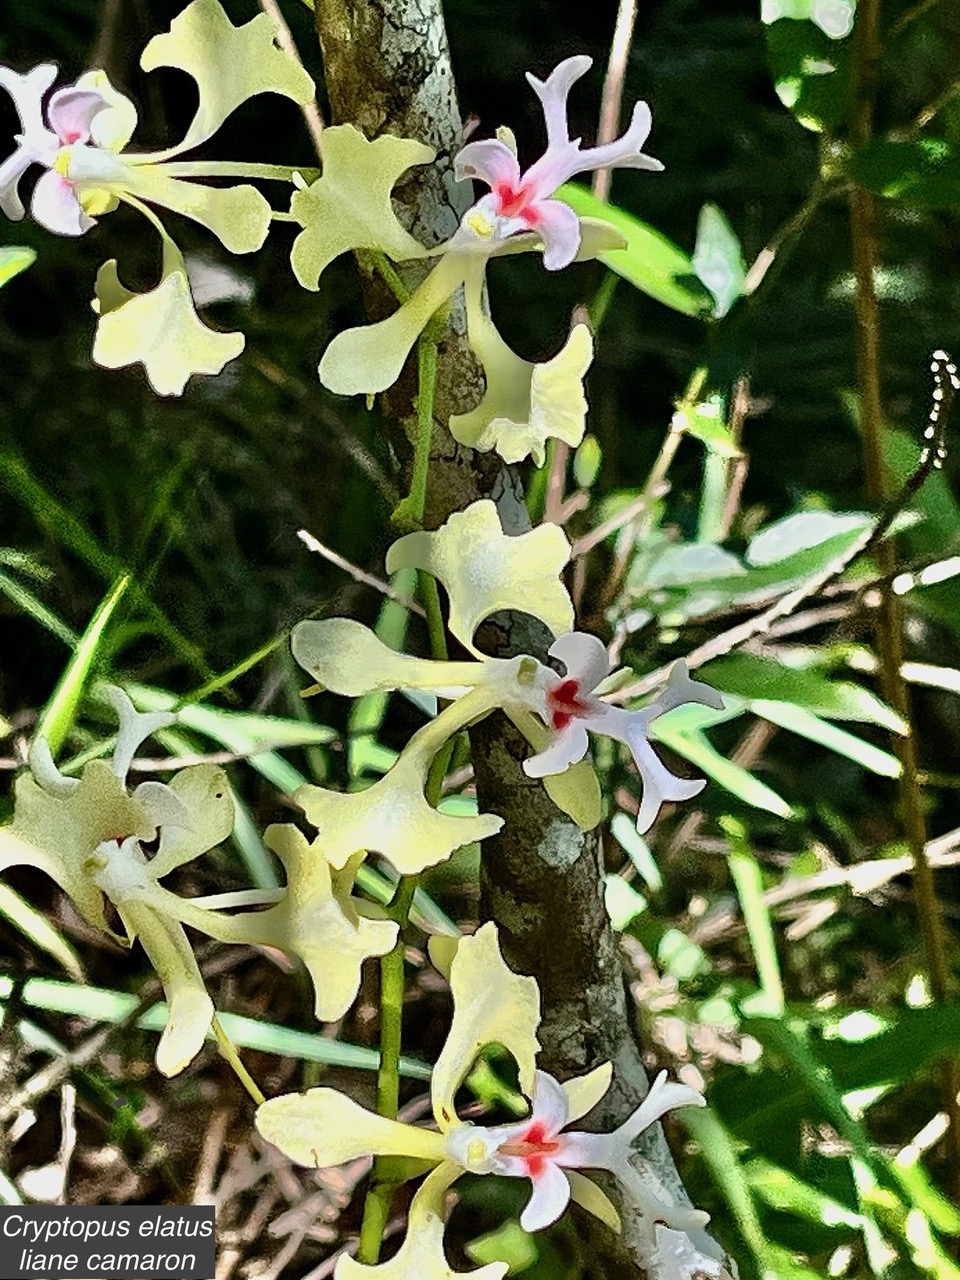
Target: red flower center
column 512, row 203
column 564, row 703
column 532, row 1148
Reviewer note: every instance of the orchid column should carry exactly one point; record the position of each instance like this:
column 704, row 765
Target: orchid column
column 388, row 71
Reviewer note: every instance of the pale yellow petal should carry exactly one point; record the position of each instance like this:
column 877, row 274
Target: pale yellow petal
column 421, row 1256
column 349, row 207
column 239, row 216
column 189, row 1008
column 59, row 834
column 576, row 792
column 524, row 404
column 347, row 658
column 392, row 818
column 230, row 64
column 160, row 330
column 370, row 358
column 491, row 1005
column 314, row 919
column 324, row 1127
column 584, row 1092
column 205, row 794
column 113, row 127
column 483, row 569
column 585, row 1192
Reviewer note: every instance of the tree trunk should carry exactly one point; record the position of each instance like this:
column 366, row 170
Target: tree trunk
column 388, row 71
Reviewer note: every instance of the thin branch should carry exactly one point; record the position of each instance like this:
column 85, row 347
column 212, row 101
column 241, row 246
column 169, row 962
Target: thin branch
column 311, row 112
column 358, row 574
column 613, row 88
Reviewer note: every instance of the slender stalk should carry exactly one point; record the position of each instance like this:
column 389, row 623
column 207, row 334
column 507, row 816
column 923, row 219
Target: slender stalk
column 311, row 112
column 230, row 169
column 889, row 628
column 230, row 1053
column 376, row 1208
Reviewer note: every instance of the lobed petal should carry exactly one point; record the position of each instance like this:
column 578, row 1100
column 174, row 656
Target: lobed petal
column 568, row 747
column 59, row 834
column 238, row 216
column 349, row 207
column 204, row 793
column 323, row 1127
column 485, row 570
column 663, row 1095
column 370, row 358
column 159, row 329
column 189, row 1007
column 135, row 727
column 393, row 818
column 490, row 161
column 676, row 1257
column 491, row 1005
column 422, row 1254
column 553, row 93
column 524, row 404
column 347, row 658
column 584, row 656
column 559, row 229
column 229, row 64
column 71, row 112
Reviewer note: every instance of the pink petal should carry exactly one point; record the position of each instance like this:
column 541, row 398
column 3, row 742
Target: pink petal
column 70, row 113
column 551, row 1195
column 56, row 207
column 559, row 228
column 553, row 93
column 491, row 161
column 584, row 656
column 570, row 746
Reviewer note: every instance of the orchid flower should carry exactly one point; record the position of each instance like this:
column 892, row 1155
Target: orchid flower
column 86, row 833
column 519, row 203
column 80, row 141
column 492, row 1005
column 349, row 207
column 484, row 571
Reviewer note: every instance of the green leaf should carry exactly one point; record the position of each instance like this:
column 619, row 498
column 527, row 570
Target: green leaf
column 749, row 676
column 833, row 17
column 694, row 746
column 745, row 871
column 35, row 926
column 650, row 262
column 509, row 1244
column 102, row 1005
column 807, row 725
column 718, row 258
column 783, row 1190
column 57, row 717
column 622, row 901
column 13, row 260
column 924, row 173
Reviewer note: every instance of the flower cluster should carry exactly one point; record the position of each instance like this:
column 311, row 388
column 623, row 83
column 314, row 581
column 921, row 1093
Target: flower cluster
column 88, row 834
column 349, row 207
column 493, row 1005
column 80, row 140
column 483, row 571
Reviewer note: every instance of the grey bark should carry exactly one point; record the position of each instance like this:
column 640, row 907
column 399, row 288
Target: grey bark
column 388, row 71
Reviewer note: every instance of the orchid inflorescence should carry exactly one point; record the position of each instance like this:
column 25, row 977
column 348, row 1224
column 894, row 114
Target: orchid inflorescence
column 109, row 848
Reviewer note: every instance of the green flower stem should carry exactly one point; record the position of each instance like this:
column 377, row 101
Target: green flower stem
column 386, row 269
column 376, row 1208
column 408, row 514
column 230, row 1053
